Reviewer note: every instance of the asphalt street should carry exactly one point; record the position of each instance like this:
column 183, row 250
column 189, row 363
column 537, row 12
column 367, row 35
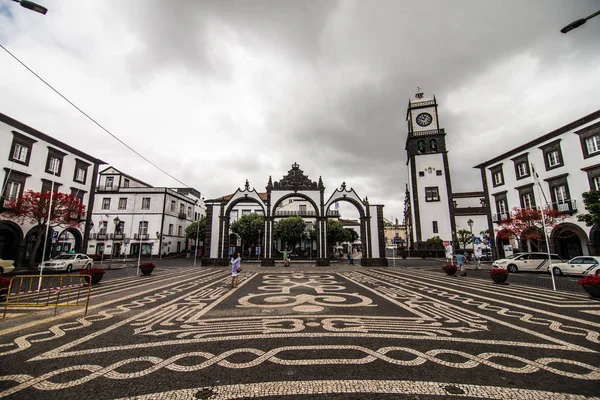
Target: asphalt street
column 306, row 332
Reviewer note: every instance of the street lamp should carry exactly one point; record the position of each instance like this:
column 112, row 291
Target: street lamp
column 259, row 244
column 30, row 5
column 197, row 232
column 578, row 23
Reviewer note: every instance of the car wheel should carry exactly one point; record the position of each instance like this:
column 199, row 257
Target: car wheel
column 557, row 271
column 512, row 268
column 598, row 272
column 88, row 266
column 69, row 268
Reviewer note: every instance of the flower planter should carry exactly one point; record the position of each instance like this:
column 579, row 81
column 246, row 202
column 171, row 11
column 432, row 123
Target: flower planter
column 95, row 279
column 450, row 269
column 499, row 278
column 146, row 271
column 592, row 290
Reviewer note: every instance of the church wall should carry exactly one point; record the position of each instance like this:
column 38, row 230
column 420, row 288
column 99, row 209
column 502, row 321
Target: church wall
column 434, row 210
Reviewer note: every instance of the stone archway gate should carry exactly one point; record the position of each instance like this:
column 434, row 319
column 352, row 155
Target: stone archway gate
column 293, row 185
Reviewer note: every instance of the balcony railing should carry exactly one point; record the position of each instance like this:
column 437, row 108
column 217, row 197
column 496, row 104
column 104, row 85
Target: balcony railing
column 102, row 236
column 140, row 236
column 294, row 213
column 118, row 236
column 567, row 206
column 107, row 188
column 182, row 215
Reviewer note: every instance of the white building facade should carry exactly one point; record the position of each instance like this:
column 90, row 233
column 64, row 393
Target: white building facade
column 32, row 160
column 567, row 161
column 131, row 216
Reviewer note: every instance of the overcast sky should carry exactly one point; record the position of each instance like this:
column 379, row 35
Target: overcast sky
column 217, row 92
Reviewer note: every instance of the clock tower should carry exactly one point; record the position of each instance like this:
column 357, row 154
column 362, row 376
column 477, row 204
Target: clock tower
column 431, row 210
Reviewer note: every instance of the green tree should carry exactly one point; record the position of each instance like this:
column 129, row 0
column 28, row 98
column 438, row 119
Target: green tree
column 435, row 242
column 335, row 232
column 248, row 227
column 352, row 236
column 290, row 230
column 196, row 227
column 591, row 200
column 464, row 237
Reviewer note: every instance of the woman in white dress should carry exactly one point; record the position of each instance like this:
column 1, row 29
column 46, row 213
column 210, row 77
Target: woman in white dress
column 235, row 268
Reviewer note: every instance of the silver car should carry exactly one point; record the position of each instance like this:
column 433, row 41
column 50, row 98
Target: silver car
column 67, row 262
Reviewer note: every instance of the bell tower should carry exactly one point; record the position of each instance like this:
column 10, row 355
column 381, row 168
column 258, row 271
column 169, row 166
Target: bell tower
column 431, row 209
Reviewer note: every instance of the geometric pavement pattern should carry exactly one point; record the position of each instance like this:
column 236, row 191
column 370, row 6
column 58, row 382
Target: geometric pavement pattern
column 356, row 333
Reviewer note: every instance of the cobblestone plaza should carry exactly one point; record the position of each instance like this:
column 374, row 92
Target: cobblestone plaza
column 306, row 332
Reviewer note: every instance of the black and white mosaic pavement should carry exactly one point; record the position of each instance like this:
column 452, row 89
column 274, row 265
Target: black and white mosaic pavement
column 361, row 333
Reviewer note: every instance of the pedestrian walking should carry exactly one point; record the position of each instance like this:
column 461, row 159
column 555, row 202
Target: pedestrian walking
column 351, row 258
column 235, row 269
column 449, row 255
column 286, row 257
column 460, row 260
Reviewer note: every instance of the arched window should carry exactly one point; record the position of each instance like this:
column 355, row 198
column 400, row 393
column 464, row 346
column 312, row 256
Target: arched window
column 421, row 146
column 433, row 145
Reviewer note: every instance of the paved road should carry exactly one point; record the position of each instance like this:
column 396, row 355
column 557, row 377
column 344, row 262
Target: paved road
column 307, row 333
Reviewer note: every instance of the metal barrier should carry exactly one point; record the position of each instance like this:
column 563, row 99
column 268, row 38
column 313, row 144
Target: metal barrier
column 29, row 291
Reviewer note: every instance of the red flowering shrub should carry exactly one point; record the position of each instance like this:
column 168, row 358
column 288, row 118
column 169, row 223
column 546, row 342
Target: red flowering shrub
column 147, row 265
column 592, row 280
column 92, row 271
column 449, row 267
column 498, row 271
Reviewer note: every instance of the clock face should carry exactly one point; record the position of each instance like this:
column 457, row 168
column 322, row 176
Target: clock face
column 424, row 119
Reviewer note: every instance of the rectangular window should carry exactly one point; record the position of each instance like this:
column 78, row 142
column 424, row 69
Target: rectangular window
column 553, row 158
column 527, row 200
column 106, row 204
column 181, row 208
column 109, row 182
column 560, row 194
column 143, row 228
column 438, row 172
column 80, row 175
column 302, row 209
column 522, row 170
column 125, row 182
column 173, row 205
column 432, row 194
column 593, row 144
column 170, row 229
column 435, row 227
column 421, row 173
column 123, row 203
column 179, row 230
column 146, row 203
column 502, row 207
column 12, row 191
column 20, row 153
column 190, row 212
column 53, row 165
column 498, row 178
column 596, row 183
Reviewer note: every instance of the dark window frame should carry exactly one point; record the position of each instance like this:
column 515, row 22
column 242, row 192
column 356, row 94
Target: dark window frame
column 79, row 164
column 11, row 175
column 47, row 184
column 494, row 170
column 421, row 173
column 547, row 149
column 586, row 133
column 24, row 141
column 434, row 225
column 522, row 159
column 435, row 194
column 556, row 181
column 54, row 153
column 526, row 189
column 592, row 172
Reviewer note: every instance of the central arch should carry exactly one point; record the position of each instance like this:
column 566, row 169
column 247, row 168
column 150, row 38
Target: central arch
column 293, row 185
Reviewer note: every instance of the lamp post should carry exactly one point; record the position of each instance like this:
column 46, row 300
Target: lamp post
column 30, row 5
column 259, row 244
column 53, row 172
column 578, row 23
column 196, row 248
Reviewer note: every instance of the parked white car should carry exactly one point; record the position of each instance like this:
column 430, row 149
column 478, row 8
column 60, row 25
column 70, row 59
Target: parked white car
column 68, row 262
column 6, row 266
column 582, row 265
column 527, row 262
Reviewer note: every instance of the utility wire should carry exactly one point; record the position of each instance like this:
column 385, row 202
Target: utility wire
column 93, row 120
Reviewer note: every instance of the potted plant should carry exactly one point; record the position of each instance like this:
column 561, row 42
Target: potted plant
column 499, row 275
column 591, row 284
column 450, row 269
column 147, row 268
column 96, row 274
